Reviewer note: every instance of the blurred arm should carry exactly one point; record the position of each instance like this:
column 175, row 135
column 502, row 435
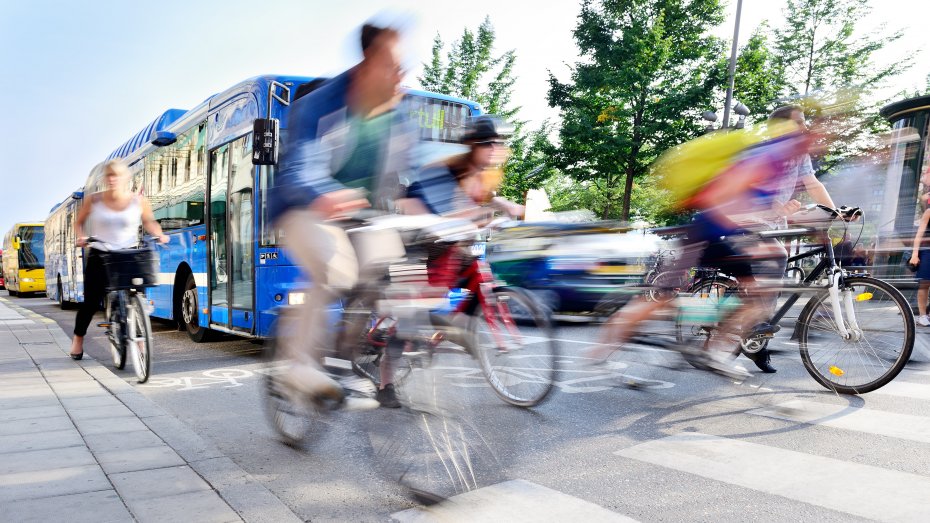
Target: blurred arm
column 920, row 235
column 150, row 224
column 818, row 192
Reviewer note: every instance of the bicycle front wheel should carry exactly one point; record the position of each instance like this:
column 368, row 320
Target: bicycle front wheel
column 514, row 344
column 116, row 332
column 875, row 353
column 140, row 338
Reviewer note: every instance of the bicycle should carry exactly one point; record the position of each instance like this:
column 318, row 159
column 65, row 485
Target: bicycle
column 869, row 318
column 128, row 327
column 445, row 447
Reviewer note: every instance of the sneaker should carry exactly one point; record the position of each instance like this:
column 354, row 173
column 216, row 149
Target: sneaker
column 763, row 360
column 723, row 364
column 388, row 398
column 923, row 321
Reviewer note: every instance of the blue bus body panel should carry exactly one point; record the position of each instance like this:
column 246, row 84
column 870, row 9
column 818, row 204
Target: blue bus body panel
column 229, row 115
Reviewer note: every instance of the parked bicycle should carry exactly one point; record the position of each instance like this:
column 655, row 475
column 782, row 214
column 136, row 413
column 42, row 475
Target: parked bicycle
column 128, row 327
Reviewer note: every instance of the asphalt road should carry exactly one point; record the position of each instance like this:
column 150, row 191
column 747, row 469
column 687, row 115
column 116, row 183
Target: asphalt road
column 692, row 447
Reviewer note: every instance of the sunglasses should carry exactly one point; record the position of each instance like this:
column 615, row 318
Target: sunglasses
column 488, row 143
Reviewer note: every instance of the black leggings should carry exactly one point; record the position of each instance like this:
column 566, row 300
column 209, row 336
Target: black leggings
column 95, row 281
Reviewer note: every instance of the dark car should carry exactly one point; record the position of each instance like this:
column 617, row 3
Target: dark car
column 572, row 267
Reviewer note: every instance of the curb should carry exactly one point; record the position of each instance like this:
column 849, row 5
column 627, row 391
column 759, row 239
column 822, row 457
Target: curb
column 249, row 498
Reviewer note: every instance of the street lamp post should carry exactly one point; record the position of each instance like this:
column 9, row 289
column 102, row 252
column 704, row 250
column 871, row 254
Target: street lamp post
column 731, row 72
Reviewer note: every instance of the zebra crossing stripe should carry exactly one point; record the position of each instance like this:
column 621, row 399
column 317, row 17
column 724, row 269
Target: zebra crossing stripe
column 513, row 501
column 870, row 421
column 852, row 488
column 905, row 389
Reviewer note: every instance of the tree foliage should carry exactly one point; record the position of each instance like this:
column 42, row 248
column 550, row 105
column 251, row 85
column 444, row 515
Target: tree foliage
column 648, row 70
column 470, row 69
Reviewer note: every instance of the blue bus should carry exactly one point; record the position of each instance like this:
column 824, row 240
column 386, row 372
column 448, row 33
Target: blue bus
column 223, row 269
column 64, row 261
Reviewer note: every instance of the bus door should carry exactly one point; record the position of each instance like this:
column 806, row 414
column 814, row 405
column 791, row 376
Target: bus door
column 230, row 267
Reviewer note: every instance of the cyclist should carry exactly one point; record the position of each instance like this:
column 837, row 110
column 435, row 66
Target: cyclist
column 794, row 172
column 348, row 147
column 113, row 217
column 749, row 186
column 464, row 185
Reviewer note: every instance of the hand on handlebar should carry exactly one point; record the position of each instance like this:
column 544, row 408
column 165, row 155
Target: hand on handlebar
column 82, row 241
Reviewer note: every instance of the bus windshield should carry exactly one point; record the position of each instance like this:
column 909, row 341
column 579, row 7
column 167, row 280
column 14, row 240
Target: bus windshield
column 441, row 123
column 32, row 247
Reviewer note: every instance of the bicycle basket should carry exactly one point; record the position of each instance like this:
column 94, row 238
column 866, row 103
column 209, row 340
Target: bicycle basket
column 131, row 268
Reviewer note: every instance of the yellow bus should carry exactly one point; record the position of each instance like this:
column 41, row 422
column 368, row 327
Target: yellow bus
column 24, row 258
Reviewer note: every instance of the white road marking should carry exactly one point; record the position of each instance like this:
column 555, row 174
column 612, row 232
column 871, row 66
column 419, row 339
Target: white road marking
column 870, row 421
column 861, row 490
column 513, row 501
column 905, row 389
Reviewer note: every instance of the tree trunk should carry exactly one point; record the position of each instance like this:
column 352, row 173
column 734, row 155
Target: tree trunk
column 627, row 192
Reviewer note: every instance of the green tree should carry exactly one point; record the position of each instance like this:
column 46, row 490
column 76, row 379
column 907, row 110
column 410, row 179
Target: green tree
column 819, row 50
column 759, row 78
column 648, row 70
column 471, row 70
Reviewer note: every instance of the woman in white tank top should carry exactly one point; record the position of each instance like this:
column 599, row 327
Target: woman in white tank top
column 113, row 217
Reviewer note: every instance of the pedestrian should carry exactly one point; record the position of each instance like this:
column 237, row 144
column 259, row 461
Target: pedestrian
column 113, row 217
column 920, row 256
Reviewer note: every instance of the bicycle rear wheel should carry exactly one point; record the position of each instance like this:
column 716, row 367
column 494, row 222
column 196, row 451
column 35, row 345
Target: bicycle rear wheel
column 875, row 354
column 515, row 347
column 139, row 338
column 116, row 332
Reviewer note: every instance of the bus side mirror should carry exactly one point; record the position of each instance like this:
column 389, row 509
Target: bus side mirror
column 265, row 141
column 16, row 242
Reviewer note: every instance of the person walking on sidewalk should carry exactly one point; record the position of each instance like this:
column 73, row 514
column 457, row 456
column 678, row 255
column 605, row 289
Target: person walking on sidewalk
column 113, row 217
column 920, row 255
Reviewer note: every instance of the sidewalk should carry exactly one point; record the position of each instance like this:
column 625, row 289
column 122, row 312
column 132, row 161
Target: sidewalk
column 78, row 443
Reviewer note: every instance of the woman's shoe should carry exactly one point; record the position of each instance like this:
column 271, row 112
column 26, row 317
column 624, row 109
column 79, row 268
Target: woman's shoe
column 77, row 356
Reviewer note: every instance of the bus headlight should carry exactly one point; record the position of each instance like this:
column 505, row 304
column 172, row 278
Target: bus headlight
column 295, row 298
column 28, row 280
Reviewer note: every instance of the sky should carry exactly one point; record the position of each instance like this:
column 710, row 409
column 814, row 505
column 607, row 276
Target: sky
column 81, row 78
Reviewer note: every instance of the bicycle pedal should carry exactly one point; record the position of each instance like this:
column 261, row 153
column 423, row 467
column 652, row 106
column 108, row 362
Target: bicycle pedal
column 104, row 324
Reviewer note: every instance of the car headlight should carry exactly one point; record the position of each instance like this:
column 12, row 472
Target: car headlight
column 296, row 298
column 28, row 280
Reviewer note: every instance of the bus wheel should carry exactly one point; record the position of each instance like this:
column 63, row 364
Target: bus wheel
column 190, row 312
column 12, row 292
column 62, row 302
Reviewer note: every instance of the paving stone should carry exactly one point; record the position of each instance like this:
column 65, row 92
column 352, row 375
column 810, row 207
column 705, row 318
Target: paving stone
column 122, row 441
column 256, row 504
column 109, row 425
column 203, row 507
column 53, row 482
column 90, row 401
column 30, row 401
column 103, row 506
column 26, row 392
column 157, row 483
column 140, row 405
column 182, row 439
column 40, row 459
column 116, row 461
column 47, row 440
column 106, row 411
column 45, row 411
column 34, row 425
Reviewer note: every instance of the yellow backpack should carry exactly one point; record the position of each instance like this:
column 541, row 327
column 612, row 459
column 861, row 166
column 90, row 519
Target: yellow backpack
column 687, row 168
